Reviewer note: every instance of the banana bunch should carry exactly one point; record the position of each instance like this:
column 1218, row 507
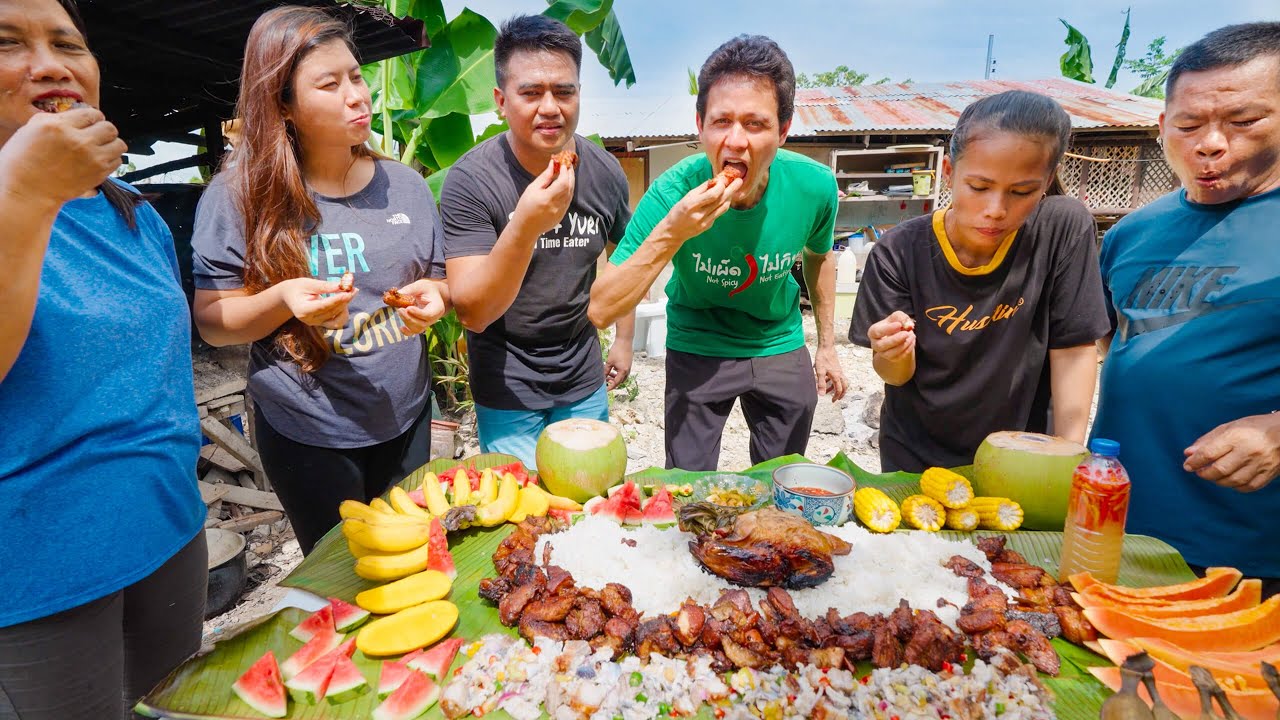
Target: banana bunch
column 495, row 501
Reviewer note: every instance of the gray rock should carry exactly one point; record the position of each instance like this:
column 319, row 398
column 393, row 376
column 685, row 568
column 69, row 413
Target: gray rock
column 871, row 411
column 828, row 418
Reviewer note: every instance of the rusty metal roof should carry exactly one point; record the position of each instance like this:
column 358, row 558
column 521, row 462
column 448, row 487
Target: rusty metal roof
column 170, row 65
column 888, row 108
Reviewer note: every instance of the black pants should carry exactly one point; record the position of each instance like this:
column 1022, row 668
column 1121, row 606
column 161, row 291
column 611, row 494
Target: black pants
column 778, row 394
column 1270, row 586
column 311, row 481
column 95, row 661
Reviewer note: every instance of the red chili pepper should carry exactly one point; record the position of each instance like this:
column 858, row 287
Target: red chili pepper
column 947, row 667
column 752, row 271
column 537, row 650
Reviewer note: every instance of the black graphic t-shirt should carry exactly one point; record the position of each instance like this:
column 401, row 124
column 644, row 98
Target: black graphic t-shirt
column 982, row 334
column 376, row 380
column 543, row 352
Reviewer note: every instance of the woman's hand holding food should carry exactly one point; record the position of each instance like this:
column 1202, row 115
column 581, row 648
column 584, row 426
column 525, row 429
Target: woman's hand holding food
column 894, row 337
column 56, row 157
column 316, row 302
column 428, row 306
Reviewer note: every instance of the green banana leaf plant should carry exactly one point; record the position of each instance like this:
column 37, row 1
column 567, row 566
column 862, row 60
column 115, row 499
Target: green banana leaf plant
column 1077, row 62
column 424, row 102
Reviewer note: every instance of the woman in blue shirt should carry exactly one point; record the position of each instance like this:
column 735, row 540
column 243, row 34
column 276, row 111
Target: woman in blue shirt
column 103, row 561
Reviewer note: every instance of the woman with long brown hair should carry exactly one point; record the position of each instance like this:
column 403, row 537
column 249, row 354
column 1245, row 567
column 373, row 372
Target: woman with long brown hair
column 295, row 242
column 104, row 562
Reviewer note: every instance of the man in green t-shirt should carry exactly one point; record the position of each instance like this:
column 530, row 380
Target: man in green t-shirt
column 733, row 309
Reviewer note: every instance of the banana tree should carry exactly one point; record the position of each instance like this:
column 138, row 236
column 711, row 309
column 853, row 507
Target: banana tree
column 1077, row 62
column 423, row 104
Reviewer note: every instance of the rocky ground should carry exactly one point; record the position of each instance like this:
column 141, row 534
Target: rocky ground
column 848, row 424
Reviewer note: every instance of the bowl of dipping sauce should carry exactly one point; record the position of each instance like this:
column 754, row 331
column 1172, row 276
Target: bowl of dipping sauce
column 820, row 493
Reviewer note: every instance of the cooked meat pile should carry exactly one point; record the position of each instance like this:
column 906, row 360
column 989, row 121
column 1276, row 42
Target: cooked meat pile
column 763, row 548
column 544, row 601
column 1043, row 609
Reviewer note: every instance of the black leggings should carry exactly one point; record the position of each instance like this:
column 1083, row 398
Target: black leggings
column 312, row 481
column 95, row 661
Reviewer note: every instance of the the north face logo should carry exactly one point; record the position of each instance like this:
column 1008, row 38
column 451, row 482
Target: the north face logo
column 398, row 219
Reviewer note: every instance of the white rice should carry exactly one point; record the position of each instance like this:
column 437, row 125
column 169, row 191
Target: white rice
column 661, row 572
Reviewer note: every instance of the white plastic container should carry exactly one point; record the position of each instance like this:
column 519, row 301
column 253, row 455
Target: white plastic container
column 651, row 328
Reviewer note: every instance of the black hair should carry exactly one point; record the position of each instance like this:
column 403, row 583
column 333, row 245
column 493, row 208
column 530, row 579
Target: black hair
column 121, row 199
column 1226, row 47
column 1021, row 113
column 756, row 56
column 533, row 32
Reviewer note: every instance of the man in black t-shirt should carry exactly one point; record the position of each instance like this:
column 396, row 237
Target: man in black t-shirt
column 523, row 235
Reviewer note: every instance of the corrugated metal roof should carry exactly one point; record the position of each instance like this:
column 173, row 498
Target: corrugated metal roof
column 919, row 107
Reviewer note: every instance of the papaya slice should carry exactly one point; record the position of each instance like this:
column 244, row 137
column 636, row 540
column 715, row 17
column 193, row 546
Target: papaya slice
column 1217, row 581
column 1184, row 700
column 1242, row 630
column 1241, row 678
column 1182, row 659
column 1246, row 595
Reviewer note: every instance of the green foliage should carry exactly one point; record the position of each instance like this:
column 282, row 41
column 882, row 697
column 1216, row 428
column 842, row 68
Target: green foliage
column 630, row 385
column 693, row 82
column 1077, row 62
column 1120, row 50
column 841, row 76
column 423, row 104
column 1153, row 68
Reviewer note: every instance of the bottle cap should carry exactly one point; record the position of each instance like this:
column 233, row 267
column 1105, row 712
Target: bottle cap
column 1104, row 447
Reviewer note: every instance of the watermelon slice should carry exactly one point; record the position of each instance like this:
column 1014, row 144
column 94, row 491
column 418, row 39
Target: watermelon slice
column 438, row 557
column 261, row 688
column 315, row 648
column 394, row 673
column 436, row 661
column 416, row 496
column 312, row 683
column 346, row 683
column 417, row 693
column 624, row 504
column 347, row 617
column 320, row 620
column 659, row 509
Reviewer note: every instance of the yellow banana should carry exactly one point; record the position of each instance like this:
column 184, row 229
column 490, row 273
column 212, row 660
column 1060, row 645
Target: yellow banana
column 488, row 488
column 355, row 509
column 405, row 505
column 381, row 506
column 497, row 512
column 462, row 489
column 392, row 567
column 358, row 551
column 437, row 504
column 387, row 537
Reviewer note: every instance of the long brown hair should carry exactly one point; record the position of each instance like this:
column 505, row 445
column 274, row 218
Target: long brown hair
column 264, row 172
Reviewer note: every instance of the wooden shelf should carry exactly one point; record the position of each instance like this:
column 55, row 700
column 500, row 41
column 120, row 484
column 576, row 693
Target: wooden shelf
column 904, row 175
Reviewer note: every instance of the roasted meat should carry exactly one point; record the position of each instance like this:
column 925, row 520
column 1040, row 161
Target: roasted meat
column 964, row 567
column 396, row 299
column 1034, row 645
column 769, row 548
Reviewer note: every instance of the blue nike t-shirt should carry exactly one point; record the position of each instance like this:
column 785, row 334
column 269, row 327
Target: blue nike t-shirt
column 100, row 431
column 1194, row 293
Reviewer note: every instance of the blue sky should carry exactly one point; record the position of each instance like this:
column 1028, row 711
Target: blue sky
column 925, row 40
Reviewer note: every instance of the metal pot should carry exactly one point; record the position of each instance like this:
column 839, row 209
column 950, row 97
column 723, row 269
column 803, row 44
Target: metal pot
column 228, row 570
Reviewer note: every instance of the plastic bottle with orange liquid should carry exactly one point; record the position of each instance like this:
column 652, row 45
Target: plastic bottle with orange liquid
column 1093, row 536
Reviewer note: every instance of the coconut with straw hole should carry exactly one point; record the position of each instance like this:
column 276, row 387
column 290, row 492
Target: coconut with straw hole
column 1033, row 470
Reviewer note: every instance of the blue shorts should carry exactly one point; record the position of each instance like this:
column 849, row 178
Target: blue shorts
column 516, row 432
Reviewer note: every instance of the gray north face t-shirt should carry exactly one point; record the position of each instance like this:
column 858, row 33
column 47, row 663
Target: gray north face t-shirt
column 377, row 380
column 543, row 352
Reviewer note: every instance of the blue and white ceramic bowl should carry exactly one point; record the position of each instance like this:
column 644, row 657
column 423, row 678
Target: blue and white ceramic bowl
column 794, row 489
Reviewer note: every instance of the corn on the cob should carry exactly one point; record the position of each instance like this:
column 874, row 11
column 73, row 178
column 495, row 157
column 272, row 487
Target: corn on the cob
column 923, row 513
column 963, row 519
column 997, row 513
column 876, row 510
column 948, row 488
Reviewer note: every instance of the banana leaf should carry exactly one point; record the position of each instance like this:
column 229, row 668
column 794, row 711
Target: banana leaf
column 201, row 688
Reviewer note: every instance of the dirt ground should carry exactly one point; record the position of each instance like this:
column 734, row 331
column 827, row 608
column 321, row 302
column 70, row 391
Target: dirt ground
column 848, row 425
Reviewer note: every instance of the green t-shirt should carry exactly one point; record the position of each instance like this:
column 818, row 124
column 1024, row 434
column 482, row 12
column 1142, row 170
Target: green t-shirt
column 732, row 293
